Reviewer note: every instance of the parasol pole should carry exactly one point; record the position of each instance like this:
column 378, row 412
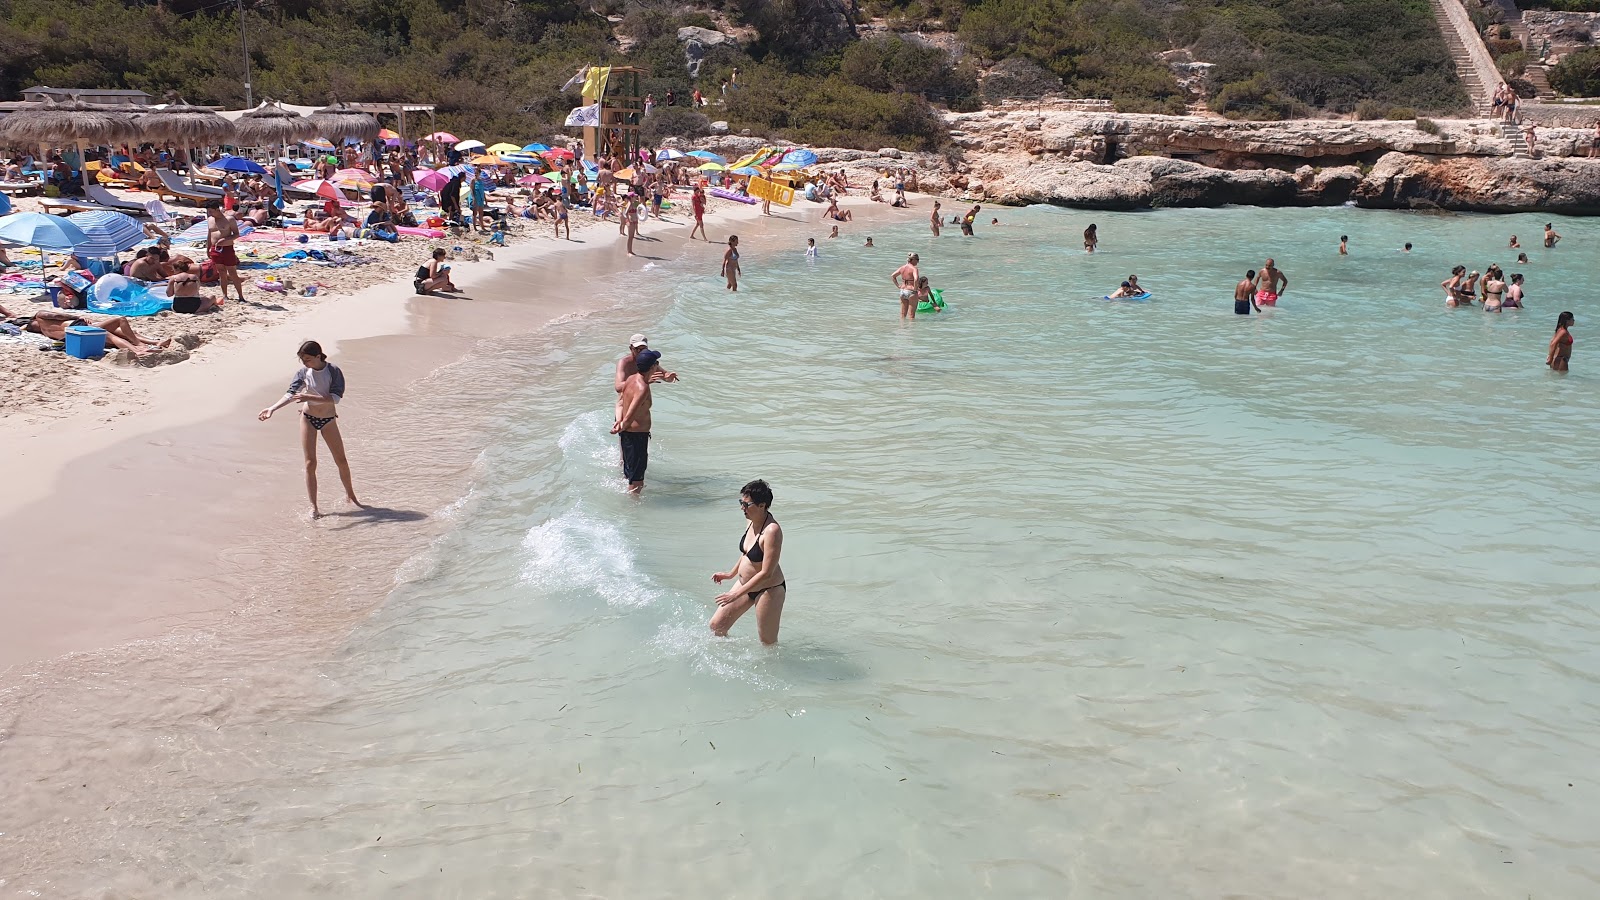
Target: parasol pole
column 83, row 168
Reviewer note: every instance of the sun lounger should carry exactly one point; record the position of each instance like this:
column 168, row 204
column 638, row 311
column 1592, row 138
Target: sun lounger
column 105, row 198
column 23, row 188
column 172, row 186
column 71, row 206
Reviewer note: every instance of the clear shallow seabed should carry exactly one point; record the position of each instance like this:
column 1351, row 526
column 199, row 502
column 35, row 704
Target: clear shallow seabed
column 1085, row 598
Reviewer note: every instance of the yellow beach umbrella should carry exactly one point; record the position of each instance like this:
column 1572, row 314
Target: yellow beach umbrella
column 713, row 167
column 504, row 147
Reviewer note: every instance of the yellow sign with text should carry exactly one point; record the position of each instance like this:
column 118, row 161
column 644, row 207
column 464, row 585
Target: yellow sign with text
column 762, row 189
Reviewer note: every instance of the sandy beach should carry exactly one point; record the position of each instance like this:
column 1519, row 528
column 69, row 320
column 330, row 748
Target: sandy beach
column 165, row 579
column 149, row 466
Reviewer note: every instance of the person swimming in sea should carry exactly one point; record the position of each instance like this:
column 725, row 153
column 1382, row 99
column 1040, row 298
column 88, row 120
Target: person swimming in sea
column 1514, row 245
column 758, row 579
column 1344, row 245
column 869, row 242
column 1522, row 258
column 1406, row 248
column 1125, row 291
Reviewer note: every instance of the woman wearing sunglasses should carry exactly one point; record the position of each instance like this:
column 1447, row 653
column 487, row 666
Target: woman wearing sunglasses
column 759, row 581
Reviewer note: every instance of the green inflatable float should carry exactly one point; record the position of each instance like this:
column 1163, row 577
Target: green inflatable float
column 934, row 305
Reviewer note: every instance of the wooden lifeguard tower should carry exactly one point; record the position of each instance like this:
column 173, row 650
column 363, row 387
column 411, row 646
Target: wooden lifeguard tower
column 621, row 112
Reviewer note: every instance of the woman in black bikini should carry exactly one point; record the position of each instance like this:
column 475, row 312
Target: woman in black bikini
column 317, row 387
column 757, row 568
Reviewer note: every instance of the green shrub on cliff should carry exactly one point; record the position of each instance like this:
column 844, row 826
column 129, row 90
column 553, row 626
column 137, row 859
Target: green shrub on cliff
column 1577, row 74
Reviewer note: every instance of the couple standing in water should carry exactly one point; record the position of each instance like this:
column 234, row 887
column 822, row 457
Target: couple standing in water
column 758, row 580
column 1258, row 290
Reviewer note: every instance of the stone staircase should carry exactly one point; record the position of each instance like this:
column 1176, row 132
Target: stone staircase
column 1513, row 134
column 1535, row 72
column 1482, row 94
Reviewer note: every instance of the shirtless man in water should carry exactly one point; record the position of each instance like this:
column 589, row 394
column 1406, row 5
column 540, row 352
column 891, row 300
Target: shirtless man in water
column 221, row 232
column 1550, row 236
column 1271, row 285
column 632, row 427
column 905, row 278
column 628, row 365
column 1244, row 295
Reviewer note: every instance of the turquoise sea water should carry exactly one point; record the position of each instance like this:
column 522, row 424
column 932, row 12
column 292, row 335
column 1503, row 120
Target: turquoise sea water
column 1085, row 598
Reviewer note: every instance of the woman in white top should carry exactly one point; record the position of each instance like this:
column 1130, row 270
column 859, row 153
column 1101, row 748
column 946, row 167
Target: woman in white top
column 317, row 387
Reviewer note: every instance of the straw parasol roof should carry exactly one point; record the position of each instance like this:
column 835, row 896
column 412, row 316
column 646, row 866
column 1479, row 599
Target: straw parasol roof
column 72, row 122
column 339, row 121
column 183, row 124
column 270, row 123
column 50, row 122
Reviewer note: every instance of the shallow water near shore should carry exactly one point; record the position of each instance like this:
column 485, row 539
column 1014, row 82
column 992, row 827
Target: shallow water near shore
column 1085, row 597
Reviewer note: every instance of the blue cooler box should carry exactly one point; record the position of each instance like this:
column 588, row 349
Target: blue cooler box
column 86, row 341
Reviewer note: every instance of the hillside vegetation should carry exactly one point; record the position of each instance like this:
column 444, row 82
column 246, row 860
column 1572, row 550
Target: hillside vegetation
column 494, row 67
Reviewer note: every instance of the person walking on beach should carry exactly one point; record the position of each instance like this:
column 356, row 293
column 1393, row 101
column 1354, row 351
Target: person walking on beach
column 730, row 263
column 1560, row 354
column 934, row 220
column 697, row 202
column 1244, row 295
column 1550, row 236
column 1272, row 284
column 632, row 426
column 558, row 216
column 317, row 387
column 1091, row 238
column 905, row 280
column 631, row 220
column 758, row 580
column 221, row 232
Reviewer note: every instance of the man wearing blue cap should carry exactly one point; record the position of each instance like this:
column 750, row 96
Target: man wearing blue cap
column 632, row 426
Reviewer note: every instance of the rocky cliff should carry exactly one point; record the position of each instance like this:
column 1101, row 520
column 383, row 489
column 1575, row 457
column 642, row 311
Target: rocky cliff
column 1070, row 157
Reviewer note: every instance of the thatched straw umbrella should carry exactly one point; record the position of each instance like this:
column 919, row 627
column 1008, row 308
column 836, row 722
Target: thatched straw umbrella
column 339, row 121
column 270, row 124
column 185, row 126
column 74, row 121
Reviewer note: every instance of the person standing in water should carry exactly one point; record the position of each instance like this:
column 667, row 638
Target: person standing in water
column 628, row 365
column 1550, row 236
column 1091, row 238
column 759, row 582
column 1344, row 245
column 1560, row 355
column 968, row 220
column 317, row 387
column 730, row 263
column 1244, row 295
column 934, row 220
column 1271, row 285
column 905, row 280
column 632, row 426
column 1513, row 293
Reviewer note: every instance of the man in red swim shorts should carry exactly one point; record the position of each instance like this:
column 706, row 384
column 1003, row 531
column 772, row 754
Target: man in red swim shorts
column 220, row 235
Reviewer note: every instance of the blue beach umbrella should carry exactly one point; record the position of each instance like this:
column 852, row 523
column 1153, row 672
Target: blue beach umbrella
column 748, row 170
column 800, row 157
column 108, row 232
column 237, row 164
column 670, row 153
column 40, row 232
column 535, row 148
column 707, row 155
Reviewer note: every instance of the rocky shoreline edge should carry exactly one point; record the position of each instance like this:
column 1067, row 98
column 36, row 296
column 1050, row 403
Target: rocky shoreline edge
column 1018, row 155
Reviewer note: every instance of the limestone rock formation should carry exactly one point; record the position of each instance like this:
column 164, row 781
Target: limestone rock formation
column 1400, row 181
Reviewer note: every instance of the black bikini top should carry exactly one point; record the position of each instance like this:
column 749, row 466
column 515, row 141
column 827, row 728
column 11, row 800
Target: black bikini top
column 755, row 554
